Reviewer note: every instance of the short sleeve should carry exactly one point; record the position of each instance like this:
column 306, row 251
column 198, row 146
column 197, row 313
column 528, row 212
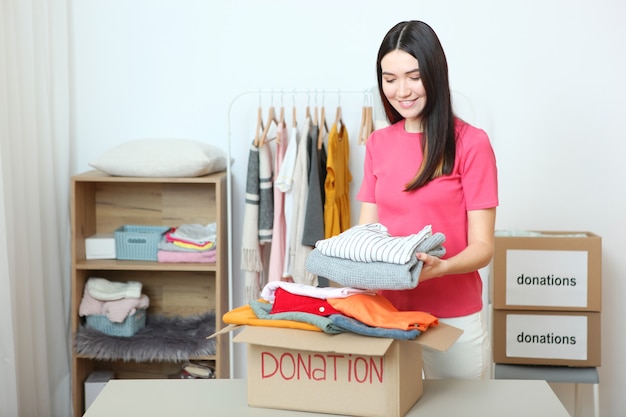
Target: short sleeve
column 478, row 169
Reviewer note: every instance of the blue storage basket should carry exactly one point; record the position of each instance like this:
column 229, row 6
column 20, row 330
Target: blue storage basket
column 128, row 327
column 138, row 243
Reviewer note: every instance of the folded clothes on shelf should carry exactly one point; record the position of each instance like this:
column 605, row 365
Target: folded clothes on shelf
column 105, row 290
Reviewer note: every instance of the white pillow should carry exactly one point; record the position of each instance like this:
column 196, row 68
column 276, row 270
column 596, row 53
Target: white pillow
column 161, row 158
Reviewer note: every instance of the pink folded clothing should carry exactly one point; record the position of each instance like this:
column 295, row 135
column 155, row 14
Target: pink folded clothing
column 89, row 306
column 186, row 257
column 118, row 310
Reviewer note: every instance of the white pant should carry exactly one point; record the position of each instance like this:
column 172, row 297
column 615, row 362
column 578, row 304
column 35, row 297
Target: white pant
column 468, row 358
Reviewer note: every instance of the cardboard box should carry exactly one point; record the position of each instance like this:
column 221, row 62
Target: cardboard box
column 559, row 271
column 546, row 338
column 94, row 384
column 339, row 374
column 100, row 246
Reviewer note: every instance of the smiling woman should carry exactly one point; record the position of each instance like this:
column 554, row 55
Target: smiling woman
column 402, row 85
column 429, row 167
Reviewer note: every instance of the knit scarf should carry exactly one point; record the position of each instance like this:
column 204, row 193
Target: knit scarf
column 266, row 195
column 250, row 250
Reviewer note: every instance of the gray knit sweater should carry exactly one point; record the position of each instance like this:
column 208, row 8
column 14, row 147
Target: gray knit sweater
column 374, row 275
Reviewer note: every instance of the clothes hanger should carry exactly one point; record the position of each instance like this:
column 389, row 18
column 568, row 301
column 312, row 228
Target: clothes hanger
column 294, row 121
column 308, row 107
column 315, row 112
column 271, row 119
column 323, row 127
column 363, row 120
column 259, row 127
column 338, row 114
column 339, row 118
column 281, row 123
column 339, row 125
column 367, row 123
column 362, row 126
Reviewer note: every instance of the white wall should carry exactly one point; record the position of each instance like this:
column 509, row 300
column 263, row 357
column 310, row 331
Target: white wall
column 544, row 78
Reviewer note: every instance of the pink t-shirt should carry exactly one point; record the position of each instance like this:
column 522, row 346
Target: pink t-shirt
column 392, row 158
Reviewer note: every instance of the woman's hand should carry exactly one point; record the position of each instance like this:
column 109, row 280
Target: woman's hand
column 432, row 267
column 477, row 253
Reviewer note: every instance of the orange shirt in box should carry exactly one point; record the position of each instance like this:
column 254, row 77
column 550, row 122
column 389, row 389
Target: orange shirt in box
column 375, row 310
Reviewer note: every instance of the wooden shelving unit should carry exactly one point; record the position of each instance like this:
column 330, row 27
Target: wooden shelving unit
column 100, row 204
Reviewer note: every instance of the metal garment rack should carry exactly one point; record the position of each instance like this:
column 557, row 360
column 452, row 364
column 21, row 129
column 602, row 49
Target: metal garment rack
column 309, row 93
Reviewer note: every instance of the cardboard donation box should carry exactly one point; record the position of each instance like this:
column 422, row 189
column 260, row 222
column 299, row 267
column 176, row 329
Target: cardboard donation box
column 561, row 338
column 344, row 374
column 547, row 271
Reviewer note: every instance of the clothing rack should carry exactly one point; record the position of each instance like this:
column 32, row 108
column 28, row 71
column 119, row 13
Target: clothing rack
column 368, row 100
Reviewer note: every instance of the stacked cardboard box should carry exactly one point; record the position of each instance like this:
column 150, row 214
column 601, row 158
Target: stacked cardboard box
column 546, row 294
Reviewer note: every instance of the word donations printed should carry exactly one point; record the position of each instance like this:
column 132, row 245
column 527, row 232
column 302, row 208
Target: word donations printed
column 547, row 278
column 546, row 336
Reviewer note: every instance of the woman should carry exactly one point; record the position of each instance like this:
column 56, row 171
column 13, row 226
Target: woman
column 430, row 167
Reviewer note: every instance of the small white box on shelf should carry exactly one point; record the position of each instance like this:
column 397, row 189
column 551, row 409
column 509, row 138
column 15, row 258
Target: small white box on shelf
column 100, row 246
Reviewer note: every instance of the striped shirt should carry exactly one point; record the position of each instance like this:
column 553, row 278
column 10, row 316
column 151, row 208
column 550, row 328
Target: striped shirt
column 373, row 243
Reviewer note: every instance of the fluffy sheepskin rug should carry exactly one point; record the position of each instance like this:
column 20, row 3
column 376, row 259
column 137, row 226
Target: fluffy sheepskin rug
column 165, row 338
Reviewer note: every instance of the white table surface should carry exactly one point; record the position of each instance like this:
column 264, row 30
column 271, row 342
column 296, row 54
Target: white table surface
column 228, row 398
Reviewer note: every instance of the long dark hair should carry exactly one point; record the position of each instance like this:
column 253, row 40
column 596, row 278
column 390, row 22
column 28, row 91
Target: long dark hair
column 438, row 140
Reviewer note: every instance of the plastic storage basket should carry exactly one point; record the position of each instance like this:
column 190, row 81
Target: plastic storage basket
column 128, row 327
column 138, row 243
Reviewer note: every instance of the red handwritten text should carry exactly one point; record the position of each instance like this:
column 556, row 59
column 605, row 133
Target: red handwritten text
column 322, row 367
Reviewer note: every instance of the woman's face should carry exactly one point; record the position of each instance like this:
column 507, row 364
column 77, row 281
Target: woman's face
column 402, row 85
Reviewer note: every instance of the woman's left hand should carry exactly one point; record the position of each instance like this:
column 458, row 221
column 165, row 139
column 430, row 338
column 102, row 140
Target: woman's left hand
column 432, row 266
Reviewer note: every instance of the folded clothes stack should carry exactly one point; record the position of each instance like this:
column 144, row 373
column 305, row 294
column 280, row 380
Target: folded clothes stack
column 115, row 300
column 330, row 310
column 189, row 243
column 367, row 256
